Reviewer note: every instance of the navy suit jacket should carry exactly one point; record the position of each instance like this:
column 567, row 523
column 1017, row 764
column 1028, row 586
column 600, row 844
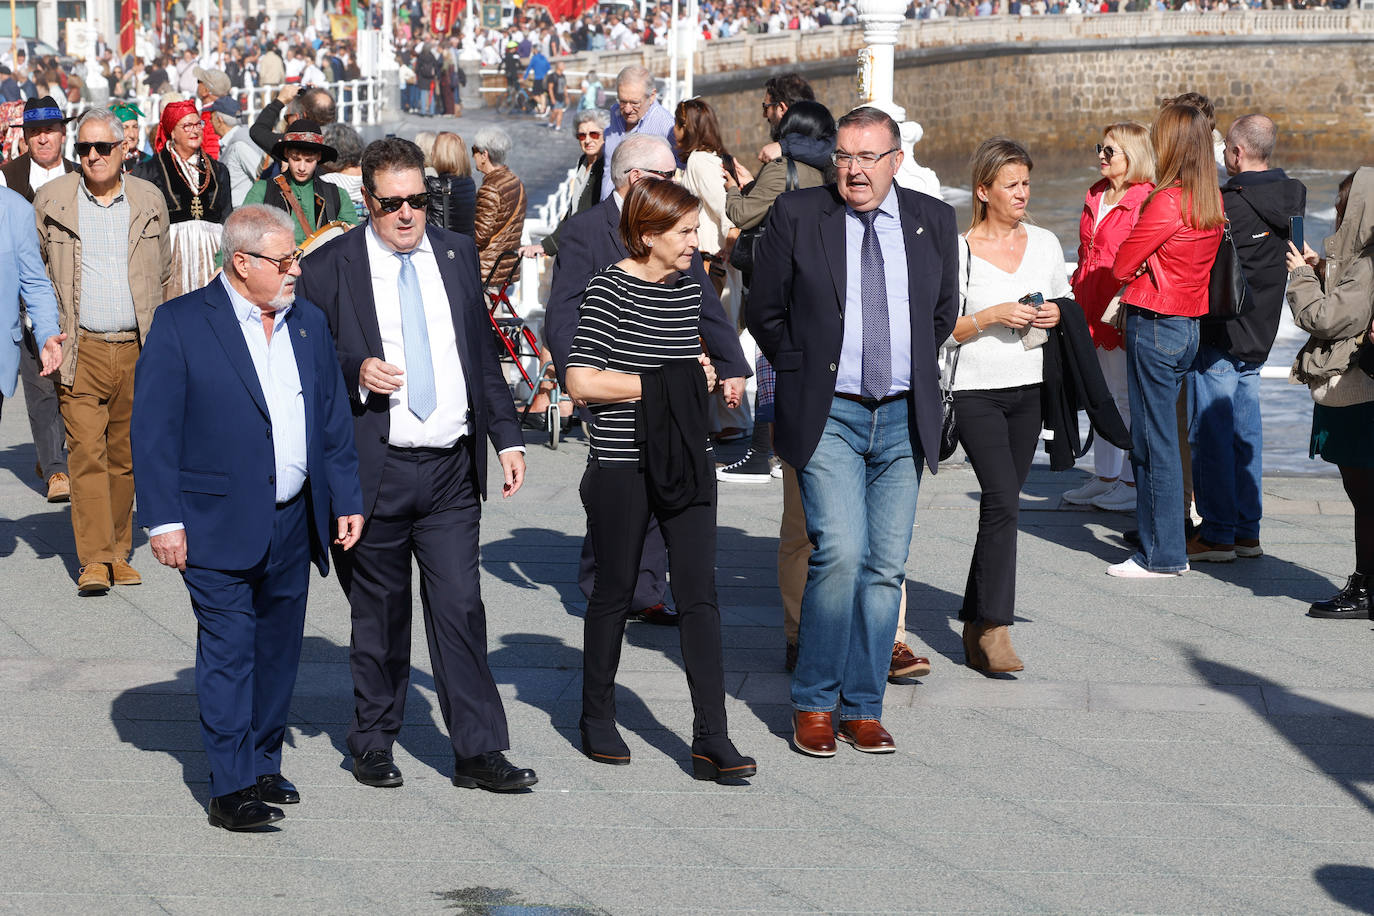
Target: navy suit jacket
column 590, row 242
column 202, row 437
column 797, row 301
column 339, row 277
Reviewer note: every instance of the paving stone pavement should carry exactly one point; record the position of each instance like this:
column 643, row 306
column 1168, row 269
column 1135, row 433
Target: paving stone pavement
column 1186, row 746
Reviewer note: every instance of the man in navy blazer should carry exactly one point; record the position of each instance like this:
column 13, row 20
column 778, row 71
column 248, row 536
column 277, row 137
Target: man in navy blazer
column 590, row 242
column 855, row 288
column 28, row 278
column 243, row 453
column 419, row 361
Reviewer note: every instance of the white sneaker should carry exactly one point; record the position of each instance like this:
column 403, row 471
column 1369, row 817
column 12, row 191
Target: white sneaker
column 1120, row 498
column 1082, row 496
column 775, row 468
column 1129, row 569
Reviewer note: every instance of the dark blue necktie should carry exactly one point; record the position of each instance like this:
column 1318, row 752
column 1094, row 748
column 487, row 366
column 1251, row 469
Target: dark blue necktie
column 876, row 375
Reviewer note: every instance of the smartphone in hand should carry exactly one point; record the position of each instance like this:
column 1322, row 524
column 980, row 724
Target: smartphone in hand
column 1295, row 231
column 1034, row 300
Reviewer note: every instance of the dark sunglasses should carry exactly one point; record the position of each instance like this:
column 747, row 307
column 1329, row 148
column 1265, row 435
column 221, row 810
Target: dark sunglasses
column 1107, row 152
column 661, row 174
column 594, row 134
column 103, row 147
column 392, row 204
column 283, row 264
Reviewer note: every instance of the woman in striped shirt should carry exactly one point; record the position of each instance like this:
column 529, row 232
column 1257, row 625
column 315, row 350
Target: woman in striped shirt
column 638, row 316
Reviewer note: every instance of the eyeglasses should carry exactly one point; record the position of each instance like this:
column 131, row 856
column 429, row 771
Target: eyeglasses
column 194, row 127
column 631, row 103
column 594, row 134
column 865, row 161
column 769, row 106
column 392, row 204
column 102, row 147
column 665, row 175
column 283, row 263
column 476, row 150
column 1107, row 152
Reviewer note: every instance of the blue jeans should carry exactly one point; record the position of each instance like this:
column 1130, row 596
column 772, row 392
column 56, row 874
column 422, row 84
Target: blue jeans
column 859, row 494
column 1160, row 349
column 1227, row 437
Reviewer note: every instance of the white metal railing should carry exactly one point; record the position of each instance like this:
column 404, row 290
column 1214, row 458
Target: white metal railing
column 358, row 102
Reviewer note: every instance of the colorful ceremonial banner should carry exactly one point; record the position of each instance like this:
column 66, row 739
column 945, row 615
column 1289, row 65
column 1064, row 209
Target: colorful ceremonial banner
column 342, row 27
column 441, row 14
column 128, row 26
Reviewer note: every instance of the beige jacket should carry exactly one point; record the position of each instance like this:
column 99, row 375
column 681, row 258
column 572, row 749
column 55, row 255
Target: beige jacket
column 59, row 239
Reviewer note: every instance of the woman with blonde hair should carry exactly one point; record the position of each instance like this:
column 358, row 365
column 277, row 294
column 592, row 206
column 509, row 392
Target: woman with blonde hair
column 452, row 192
column 1126, row 162
column 1009, row 272
column 1166, row 262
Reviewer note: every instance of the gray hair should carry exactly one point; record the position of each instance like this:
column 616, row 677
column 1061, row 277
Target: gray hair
column 598, row 116
column 228, row 122
column 495, row 142
column 1256, row 133
column 246, row 227
column 637, row 151
column 102, row 116
column 636, row 74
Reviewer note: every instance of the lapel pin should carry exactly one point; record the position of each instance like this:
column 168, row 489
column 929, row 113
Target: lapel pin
column 450, row 254
column 920, row 229
column 302, row 330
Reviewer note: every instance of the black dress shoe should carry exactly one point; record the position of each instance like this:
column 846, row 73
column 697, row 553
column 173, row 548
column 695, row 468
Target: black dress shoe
column 276, row 789
column 376, row 768
column 1350, row 603
column 715, row 757
column 491, row 771
column 602, row 742
column 659, row 614
column 242, row 810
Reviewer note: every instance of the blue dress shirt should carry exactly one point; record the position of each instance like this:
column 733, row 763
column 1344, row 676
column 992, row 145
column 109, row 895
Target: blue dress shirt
column 888, row 225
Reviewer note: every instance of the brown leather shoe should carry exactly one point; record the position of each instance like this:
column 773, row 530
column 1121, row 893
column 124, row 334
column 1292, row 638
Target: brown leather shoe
column 124, row 574
column 988, row 648
column 659, row 614
column 813, row 733
column 867, row 735
column 907, row 664
column 59, row 488
column 94, row 579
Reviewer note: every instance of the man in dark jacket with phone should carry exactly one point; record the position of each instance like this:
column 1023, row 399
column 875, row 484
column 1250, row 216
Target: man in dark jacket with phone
column 1264, row 207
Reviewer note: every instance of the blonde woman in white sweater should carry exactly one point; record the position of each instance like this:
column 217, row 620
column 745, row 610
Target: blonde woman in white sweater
column 1005, row 266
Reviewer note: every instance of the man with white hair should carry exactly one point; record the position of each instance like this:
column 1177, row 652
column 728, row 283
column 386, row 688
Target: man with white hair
column 636, row 111
column 243, row 447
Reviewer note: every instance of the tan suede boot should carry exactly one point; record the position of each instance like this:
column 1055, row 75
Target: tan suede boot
column 994, row 643
column 973, row 656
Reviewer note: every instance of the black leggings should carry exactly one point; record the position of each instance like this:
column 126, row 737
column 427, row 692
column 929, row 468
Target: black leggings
column 618, row 510
column 998, row 428
column 1359, row 486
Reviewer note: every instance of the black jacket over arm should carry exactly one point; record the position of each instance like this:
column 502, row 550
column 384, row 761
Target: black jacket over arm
column 1074, row 382
column 590, row 242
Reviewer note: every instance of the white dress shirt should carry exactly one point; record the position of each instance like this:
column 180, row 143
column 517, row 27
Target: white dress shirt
column 450, row 420
column 39, row 176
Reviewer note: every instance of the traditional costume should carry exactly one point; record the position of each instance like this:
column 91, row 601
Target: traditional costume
column 312, row 204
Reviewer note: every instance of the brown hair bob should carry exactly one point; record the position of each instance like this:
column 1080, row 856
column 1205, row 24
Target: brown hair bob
column 652, row 208
column 700, row 129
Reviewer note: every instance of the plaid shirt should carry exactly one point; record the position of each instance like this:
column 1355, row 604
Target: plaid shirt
column 107, row 302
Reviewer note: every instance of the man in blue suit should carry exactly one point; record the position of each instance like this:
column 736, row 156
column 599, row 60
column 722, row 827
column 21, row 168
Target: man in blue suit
column 243, row 453
column 855, row 288
column 29, row 278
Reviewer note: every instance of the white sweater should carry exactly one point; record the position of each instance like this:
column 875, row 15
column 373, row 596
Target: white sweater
column 995, row 358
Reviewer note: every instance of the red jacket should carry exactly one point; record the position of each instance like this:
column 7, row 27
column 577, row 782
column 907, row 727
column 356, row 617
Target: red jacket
column 1179, row 259
column 209, row 139
column 1093, row 283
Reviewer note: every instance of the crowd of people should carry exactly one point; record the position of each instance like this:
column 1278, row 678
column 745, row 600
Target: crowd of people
column 183, row 310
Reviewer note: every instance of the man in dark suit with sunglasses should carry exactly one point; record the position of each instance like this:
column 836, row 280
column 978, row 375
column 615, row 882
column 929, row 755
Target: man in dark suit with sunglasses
column 405, row 305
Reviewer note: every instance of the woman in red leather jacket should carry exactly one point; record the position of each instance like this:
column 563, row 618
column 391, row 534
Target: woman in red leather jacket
column 1127, row 164
column 1167, row 259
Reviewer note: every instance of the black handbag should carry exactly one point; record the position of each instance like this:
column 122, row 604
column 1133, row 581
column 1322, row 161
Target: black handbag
column 949, row 428
column 1228, row 292
column 742, row 255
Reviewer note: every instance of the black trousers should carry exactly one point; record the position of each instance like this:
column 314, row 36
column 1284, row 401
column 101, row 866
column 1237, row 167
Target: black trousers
column 651, row 579
column 427, row 508
column 618, row 513
column 998, row 429
column 45, row 420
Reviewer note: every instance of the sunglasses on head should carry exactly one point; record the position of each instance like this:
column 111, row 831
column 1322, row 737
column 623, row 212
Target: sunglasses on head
column 103, row 147
column 584, row 134
column 661, row 173
column 1106, row 152
column 392, row 204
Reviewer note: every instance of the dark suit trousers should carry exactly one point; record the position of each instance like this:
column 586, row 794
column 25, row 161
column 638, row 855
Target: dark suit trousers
column 651, row 579
column 999, row 429
column 45, row 420
column 618, row 513
column 248, row 646
column 427, row 507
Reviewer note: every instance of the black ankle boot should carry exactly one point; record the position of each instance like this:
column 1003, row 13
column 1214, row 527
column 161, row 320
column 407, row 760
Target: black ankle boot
column 1349, row 603
column 715, row 757
column 601, row 742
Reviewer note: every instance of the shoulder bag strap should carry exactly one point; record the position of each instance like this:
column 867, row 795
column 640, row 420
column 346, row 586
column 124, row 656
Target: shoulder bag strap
column 293, row 204
column 963, row 308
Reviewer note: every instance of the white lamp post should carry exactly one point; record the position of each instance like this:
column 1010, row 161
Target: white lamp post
column 882, row 20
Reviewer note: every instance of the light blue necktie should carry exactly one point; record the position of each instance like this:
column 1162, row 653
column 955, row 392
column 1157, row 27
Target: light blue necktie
column 421, row 396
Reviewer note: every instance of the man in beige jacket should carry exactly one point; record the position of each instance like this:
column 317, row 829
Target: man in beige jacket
column 103, row 236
